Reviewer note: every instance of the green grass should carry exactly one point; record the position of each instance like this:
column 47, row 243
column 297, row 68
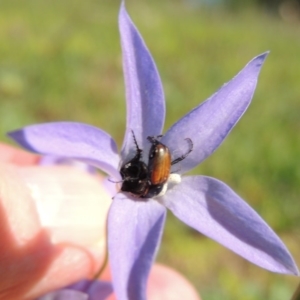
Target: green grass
column 61, row 60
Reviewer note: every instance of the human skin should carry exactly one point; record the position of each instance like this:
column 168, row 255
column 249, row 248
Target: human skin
column 53, row 221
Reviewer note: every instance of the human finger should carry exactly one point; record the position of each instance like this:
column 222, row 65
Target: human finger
column 52, row 228
column 17, row 156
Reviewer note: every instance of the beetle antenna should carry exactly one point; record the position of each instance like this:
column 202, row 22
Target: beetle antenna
column 138, row 150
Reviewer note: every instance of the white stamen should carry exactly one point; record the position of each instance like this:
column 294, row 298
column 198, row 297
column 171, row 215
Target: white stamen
column 172, row 180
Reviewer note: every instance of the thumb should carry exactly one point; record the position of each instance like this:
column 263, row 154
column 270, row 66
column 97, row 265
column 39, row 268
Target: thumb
column 52, row 228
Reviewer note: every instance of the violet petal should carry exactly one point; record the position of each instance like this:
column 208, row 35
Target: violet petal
column 50, row 160
column 96, row 289
column 209, row 123
column 65, row 294
column 212, row 208
column 144, row 91
column 134, row 234
column 110, row 186
column 71, row 140
column 81, row 290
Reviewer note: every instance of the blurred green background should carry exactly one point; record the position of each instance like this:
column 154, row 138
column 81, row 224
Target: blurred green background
column 61, row 60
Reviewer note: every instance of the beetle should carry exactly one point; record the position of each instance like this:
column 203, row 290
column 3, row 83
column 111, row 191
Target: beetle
column 159, row 164
column 134, row 174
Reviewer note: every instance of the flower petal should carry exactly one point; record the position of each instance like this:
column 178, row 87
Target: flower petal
column 65, row 294
column 211, row 207
column 96, row 289
column 49, row 160
column 71, row 140
column 82, row 290
column 144, row 91
column 209, row 123
column 134, row 233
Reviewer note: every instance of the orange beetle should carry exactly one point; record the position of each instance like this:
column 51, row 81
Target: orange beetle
column 159, row 165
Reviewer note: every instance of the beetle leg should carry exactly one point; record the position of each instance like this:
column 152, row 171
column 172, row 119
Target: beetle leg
column 154, row 139
column 182, row 157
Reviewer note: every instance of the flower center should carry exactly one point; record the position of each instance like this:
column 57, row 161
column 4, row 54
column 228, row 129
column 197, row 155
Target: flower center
column 152, row 180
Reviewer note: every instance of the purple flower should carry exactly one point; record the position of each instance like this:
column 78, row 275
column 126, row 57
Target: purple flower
column 135, row 225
